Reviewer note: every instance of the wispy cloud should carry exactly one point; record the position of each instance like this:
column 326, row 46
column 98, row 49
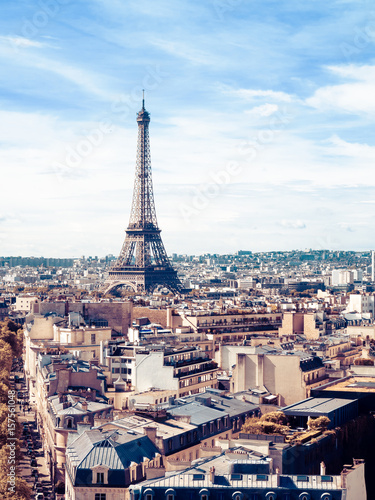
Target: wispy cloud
column 251, row 94
column 20, row 42
column 357, row 96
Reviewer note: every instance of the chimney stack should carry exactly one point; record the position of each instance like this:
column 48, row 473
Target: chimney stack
column 212, row 475
column 322, row 469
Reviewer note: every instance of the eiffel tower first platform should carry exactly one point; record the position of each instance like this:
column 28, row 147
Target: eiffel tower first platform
column 143, row 263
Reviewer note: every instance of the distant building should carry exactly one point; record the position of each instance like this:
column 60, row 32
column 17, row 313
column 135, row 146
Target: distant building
column 297, row 323
column 363, row 304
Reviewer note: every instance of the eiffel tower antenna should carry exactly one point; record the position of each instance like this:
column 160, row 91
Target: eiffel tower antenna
column 143, row 263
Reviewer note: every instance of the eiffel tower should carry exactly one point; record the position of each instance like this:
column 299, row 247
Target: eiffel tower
column 143, row 263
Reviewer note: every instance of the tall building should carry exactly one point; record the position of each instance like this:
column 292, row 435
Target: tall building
column 143, row 263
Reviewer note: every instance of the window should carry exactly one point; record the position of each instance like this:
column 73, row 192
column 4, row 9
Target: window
column 93, row 338
column 237, row 495
column 100, row 496
column 271, row 495
column 100, row 477
column 69, row 423
column 304, row 496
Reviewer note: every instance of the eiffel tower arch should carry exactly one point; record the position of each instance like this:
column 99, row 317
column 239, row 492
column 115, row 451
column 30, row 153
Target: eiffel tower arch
column 143, row 263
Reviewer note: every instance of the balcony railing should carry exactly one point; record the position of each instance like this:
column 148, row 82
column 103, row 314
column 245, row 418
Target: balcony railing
column 202, row 369
column 186, row 362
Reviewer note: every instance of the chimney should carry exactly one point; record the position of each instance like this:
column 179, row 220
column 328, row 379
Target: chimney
column 344, row 473
column 150, row 433
column 84, row 405
column 322, row 469
column 212, row 475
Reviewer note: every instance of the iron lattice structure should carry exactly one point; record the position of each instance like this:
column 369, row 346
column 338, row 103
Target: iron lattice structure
column 143, row 263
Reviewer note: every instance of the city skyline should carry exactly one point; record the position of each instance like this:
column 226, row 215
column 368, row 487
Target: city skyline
column 261, row 134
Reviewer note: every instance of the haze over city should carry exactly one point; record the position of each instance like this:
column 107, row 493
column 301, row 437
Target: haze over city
column 261, row 124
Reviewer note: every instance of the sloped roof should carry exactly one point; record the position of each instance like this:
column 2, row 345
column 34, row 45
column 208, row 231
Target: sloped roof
column 115, row 450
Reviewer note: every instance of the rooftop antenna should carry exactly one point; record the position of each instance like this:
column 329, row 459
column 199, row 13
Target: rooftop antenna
column 143, row 98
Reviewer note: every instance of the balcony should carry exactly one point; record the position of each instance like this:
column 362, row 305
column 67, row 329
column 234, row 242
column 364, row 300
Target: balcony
column 186, row 362
column 202, row 369
column 320, row 380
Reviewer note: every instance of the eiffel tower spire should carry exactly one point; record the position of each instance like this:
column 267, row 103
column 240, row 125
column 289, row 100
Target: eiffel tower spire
column 143, row 263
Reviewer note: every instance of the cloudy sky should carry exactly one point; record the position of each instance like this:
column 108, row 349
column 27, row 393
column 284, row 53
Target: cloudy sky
column 262, row 123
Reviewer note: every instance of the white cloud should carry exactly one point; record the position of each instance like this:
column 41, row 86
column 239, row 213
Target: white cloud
column 263, row 110
column 19, row 42
column 183, row 50
column 293, row 224
column 339, row 147
column 355, row 97
column 250, row 94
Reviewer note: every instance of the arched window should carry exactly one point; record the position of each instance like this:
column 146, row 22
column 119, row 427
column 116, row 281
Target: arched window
column 69, row 423
column 271, row 495
column 304, row 496
column 204, row 494
column 148, row 494
column 237, row 495
column 326, row 496
column 170, row 494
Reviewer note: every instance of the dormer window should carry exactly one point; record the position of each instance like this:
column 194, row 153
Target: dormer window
column 99, row 474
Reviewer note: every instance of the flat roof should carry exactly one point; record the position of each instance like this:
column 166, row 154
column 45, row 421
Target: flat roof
column 317, row 406
column 136, row 424
column 356, row 383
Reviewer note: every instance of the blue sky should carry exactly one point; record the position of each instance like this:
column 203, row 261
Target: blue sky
column 262, row 123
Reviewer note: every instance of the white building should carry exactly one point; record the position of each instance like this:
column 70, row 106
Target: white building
column 342, row 277
column 362, row 304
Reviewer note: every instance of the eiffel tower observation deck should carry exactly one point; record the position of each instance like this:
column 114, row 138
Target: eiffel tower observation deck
column 143, row 263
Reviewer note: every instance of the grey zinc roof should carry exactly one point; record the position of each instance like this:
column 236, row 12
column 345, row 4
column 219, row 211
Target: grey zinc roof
column 199, row 414
column 116, row 450
column 223, row 478
column 320, row 406
column 81, row 446
column 76, row 405
column 228, row 405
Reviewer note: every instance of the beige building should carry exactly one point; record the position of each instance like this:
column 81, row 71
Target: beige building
column 25, row 303
column 298, row 323
column 289, row 376
column 48, row 334
column 116, row 315
column 66, row 392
